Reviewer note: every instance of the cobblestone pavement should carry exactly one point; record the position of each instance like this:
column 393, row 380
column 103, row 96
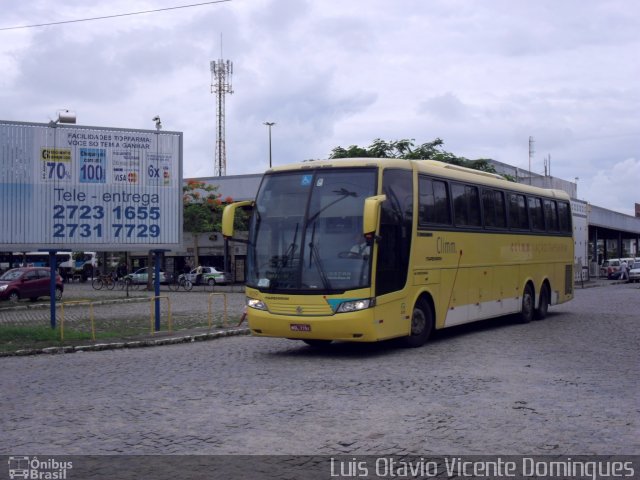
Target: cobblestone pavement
column 565, row 385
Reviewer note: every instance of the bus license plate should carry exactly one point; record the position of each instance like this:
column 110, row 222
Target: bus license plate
column 300, row 327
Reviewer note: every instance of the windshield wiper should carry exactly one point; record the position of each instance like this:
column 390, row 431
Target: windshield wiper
column 314, row 255
column 343, row 192
column 286, row 257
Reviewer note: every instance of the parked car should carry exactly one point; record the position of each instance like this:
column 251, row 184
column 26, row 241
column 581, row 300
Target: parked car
column 141, row 276
column 634, row 272
column 610, row 268
column 28, row 282
column 210, row 275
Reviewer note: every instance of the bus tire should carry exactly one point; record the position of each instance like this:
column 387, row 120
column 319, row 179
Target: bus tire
column 421, row 325
column 540, row 313
column 528, row 303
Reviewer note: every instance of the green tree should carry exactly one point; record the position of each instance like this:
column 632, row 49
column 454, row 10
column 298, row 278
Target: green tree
column 202, row 210
column 352, row 152
column 407, row 149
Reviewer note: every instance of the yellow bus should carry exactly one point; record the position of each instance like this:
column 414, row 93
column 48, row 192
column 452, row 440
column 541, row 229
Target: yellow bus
column 365, row 250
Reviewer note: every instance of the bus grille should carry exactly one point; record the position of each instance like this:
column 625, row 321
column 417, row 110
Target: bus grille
column 299, row 310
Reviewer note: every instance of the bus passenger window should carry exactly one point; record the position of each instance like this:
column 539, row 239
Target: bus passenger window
column 564, row 217
column 535, row 210
column 434, row 202
column 466, row 205
column 494, row 208
column 518, row 217
column 551, row 215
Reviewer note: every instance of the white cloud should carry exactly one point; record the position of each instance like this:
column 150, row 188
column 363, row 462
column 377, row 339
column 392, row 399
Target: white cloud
column 617, row 185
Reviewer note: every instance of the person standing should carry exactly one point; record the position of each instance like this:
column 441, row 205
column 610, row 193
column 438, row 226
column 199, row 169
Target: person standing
column 623, row 270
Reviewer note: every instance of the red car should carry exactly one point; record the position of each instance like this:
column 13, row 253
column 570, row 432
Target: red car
column 28, row 282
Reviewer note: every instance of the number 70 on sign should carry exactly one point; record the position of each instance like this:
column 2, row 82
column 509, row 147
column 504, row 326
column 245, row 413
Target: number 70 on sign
column 56, row 164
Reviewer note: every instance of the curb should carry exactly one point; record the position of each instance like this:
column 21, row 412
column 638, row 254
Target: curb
column 594, row 284
column 131, row 344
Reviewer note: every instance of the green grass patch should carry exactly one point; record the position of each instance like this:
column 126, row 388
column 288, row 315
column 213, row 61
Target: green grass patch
column 35, row 337
column 14, row 338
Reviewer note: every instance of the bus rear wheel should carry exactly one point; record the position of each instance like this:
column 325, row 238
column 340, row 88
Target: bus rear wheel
column 526, row 314
column 540, row 313
column 421, row 325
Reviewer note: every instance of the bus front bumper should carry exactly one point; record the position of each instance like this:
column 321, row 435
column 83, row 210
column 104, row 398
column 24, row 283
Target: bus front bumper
column 359, row 326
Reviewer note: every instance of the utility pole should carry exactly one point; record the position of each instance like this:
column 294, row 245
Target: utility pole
column 269, row 125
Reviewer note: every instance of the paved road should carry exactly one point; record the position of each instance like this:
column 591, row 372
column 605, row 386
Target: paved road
column 568, row 384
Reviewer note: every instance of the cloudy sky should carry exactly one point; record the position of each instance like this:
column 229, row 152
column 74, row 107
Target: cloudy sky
column 482, row 75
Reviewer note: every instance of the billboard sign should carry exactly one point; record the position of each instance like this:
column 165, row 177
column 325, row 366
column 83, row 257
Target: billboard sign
column 89, row 188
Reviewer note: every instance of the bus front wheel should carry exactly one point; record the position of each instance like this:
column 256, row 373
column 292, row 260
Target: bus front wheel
column 421, row 325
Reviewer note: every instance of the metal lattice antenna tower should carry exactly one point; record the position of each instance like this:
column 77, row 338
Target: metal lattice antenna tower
column 221, row 72
column 531, row 152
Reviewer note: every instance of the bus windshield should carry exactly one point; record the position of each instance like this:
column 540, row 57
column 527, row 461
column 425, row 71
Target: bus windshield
column 306, row 231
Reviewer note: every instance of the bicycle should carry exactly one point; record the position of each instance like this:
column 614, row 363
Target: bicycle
column 129, row 284
column 181, row 281
column 106, row 281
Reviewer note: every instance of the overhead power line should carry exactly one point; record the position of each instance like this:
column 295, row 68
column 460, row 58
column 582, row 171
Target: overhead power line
column 112, row 16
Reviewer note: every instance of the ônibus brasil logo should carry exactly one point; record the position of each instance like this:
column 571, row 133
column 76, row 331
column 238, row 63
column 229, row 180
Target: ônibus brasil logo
column 38, row 469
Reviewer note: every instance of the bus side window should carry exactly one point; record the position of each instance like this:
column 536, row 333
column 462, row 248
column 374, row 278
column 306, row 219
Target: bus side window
column 518, row 217
column 494, row 208
column 551, row 215
column 434, row 205
column 535, row 211
column 466, row 205
column 564, row 217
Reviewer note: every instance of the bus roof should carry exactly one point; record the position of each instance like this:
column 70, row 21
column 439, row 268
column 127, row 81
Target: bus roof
column 432, row 167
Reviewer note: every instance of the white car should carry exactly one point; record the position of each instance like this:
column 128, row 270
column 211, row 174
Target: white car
column 610, row 268
column 210, row 276
column 634, row 272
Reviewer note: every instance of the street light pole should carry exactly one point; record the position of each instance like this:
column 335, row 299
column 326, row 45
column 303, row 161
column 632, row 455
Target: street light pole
column 269, row 124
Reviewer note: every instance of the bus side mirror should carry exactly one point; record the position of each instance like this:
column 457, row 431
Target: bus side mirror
column 229, row 216
column 371, row 214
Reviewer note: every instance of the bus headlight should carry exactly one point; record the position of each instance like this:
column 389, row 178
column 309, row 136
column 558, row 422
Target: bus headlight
column 355, row 305
column 255, row 303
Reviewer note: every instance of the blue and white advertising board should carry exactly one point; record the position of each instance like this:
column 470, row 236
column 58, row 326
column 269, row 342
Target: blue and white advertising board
column 89, row 188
